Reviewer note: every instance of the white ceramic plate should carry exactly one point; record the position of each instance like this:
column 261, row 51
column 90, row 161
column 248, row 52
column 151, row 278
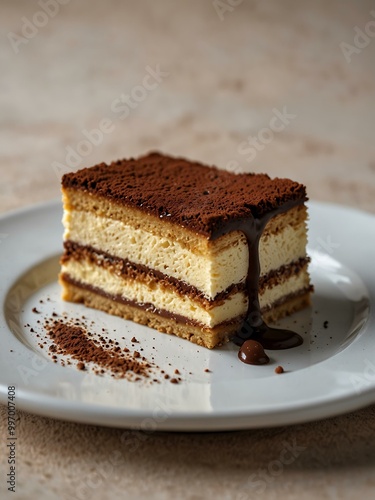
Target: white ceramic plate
column 331, row 373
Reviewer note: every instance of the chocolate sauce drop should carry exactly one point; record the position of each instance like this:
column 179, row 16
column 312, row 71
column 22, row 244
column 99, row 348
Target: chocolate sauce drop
column 252, row 353
column 253, row 326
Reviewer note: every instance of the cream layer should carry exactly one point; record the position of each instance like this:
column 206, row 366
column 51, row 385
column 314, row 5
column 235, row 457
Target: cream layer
column 160, row 297
column 210, row 272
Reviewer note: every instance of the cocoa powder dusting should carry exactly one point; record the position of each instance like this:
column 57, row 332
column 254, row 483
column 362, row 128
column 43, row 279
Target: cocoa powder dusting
column 72, row 339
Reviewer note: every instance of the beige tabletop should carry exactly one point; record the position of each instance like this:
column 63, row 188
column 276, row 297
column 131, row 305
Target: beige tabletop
column 201, row 79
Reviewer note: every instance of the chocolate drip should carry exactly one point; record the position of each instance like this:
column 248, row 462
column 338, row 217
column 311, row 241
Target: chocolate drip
column 253, row 326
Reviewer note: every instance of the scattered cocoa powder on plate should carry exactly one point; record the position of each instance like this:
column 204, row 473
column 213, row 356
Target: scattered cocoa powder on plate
column 72, row 339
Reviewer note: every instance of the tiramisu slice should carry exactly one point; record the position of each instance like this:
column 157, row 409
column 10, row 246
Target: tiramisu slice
column 185, row 248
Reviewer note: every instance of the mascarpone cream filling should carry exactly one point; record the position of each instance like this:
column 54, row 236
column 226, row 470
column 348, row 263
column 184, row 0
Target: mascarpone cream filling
column 211, row 272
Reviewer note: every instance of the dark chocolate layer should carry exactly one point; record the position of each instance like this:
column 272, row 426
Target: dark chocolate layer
column 198, row 197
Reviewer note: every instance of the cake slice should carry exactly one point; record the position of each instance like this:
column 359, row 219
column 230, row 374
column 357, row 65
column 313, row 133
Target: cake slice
column 184, row 248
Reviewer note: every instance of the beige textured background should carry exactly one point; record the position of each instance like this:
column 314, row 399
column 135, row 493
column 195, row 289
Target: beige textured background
column 224, row 79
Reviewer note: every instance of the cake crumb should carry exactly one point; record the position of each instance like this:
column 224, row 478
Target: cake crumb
column 174, row 381
column 134, row 340
column 177, row 372
column 279, row 369
column 35, row 310
column 325, row 324
column 207, row 370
